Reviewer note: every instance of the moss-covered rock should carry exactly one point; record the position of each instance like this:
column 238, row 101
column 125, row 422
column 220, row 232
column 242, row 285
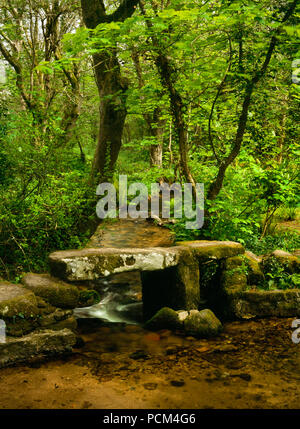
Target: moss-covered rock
column 202, row 324
column 255, row 274
column 17, row 301
column 52, row 290
column 36, row 346
column 197, row 323
column 19, row 326
column 56, row 319
column 204, row 249
column 57, row 315
column 165, row 318
column 234, row 274
column 24, row 312
column 91, row 264
column 88, row 297
column 69, row 322
column 185, row 288
column 258, row 303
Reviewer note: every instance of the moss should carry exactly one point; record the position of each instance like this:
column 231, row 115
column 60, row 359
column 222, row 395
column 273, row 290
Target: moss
column 213, row 249
column 107, row 263
column 279, row 303
column 254, row 272
column 52, row 290
column 68, row 323
column 16, row 301
column 36, row 346
column 165, row 318
column 88, row 298
column 187, row 282
column 289, row 263
column 281, row 271
column 234, row 275
column 17, row 326
column 202, row 324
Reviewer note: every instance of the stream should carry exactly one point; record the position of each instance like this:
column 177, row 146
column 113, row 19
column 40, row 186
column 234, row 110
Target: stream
column 119, row 365
column 121, row 296
column 121, row 300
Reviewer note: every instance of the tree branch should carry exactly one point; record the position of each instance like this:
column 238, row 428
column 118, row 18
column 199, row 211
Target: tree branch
column 94, row 12
column 15, row 64
column 216, row 186
column 124, row 11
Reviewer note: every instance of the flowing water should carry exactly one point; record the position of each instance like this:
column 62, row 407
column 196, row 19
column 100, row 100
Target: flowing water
column 121, row 300
column 121, row 297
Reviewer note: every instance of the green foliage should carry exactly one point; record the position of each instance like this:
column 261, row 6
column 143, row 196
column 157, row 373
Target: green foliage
column 89, row 297
column 284, row 240
column 57, row 214
column 183, row 234
column 239, row 212
column 278, row 277
column 288, row 213
column 214, row 49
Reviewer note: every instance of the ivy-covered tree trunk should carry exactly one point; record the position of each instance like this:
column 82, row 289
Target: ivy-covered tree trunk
column 112, row 88
column 156, row 154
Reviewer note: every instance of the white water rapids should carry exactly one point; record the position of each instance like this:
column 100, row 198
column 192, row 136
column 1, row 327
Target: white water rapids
column 120, row 301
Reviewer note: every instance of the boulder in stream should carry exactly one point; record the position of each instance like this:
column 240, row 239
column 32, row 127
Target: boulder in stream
column 165, row 318
column 54, row 291
column 200, row 324
column 88, row 297
column 18, row 308
column 36, row 346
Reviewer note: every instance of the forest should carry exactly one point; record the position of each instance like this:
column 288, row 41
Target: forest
column 161, row 92
column 193, row 91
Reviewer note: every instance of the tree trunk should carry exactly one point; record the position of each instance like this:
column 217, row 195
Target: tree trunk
column 112, row 90
column 156, row 151
column 111, row 86
column 154, row 124
column 166, row 72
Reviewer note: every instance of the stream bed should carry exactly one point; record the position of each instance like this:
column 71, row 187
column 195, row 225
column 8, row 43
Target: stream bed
column 252, row 364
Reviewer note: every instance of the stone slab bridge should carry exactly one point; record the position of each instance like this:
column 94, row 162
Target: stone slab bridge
column 169, row 275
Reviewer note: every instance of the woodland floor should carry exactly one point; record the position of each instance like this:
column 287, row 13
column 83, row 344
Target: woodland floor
column 253, row 364
column 291, row 225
